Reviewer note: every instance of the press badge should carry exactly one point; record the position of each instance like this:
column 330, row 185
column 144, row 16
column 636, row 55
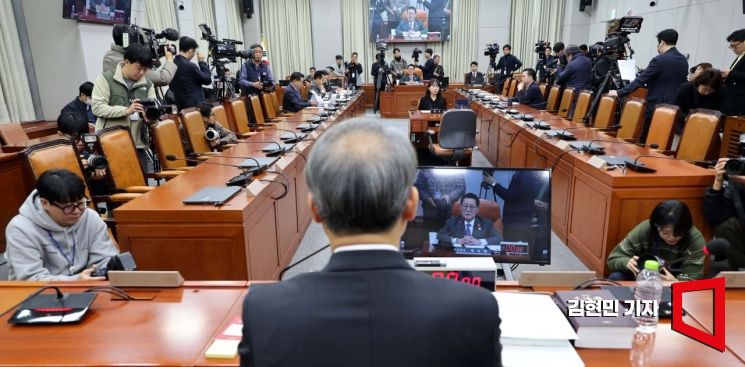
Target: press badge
column 134, row 117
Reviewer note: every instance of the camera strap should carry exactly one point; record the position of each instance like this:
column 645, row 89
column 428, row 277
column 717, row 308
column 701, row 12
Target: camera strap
column 737, row 201
column 70, row 260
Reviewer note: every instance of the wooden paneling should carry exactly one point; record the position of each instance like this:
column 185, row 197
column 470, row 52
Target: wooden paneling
column 13, row 190
column 403, row 98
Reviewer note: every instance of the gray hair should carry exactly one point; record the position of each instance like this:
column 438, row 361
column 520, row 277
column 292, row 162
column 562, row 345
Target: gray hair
column 360, row 174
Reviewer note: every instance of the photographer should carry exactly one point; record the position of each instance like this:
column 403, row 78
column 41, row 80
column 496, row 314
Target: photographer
column 398, row 64
column 256, row 75
column 72, row 126
column 339, row 66
column 577, row 74
column 559, row 60
column 189, row 79
column 223, row 136
column 292, row 100
column 723, row 210
column 116, row 95
column 354, row 72
column 115, row 56
column 542, row 67
column 507, row 65
column 81, row 105
column 56, row 236
column 663, row 76
column 439, row 72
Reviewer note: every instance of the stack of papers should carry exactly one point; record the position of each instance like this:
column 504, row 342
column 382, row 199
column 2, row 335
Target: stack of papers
column 225, row 345
column 534, row 332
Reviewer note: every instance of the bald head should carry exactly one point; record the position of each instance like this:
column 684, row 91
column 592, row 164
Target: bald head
column 359, row 175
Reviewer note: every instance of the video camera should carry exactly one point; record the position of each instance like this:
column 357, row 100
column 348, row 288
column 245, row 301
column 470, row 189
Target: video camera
column 491, row 50
column 736, row 166
column 541, row 46
column 222, row 49
column 382, row 47
column 618, row 36
column 147, row 37
column 153, row 110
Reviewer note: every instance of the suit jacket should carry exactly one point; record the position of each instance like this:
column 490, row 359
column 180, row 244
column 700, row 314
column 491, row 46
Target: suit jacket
column 360, row 310
column 187, row 83
column 79, row 108
column 478, row 79
column 428, row 69
column 531, row 96
column 663, row 76
column 519, row 196
column 576, row 74
column 455, row 227
column 410, row 78
column 405, row 26
column 292, row 101
column 734, row 90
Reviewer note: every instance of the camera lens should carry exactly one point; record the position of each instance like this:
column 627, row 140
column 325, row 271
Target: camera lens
column 734, row 167
column 97, row 162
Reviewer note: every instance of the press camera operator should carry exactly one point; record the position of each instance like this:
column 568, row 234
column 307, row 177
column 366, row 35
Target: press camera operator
column 73, row 126
column 558, row 60
column 256, row 75
column 398, row 64
column 507, row 65
column 189, row 79
column 353, row 72
column 114, row 56
column 545, row 59
column 576, row 74
column 723, row 207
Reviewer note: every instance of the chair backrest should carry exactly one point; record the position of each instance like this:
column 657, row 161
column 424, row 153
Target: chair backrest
column 240, row 117
column 257, row 112
column 195, row 131
column 276, row 101
column 662, row 127
column 700, row 135
column 506, row 87
column 117, row 146
column 266, row 98
column 221, row 116
column 418, row 72
column 632, row 119
column 168, row 141
column 543, row 88
column 605, row 113
column 552, row 103
column 303, row 92
column 458, row 129
column 513, row 88
column 734, row 126
column 583, row 104
column 61, row 153
column 566, row 102
column 13, row 134
column 487, row 209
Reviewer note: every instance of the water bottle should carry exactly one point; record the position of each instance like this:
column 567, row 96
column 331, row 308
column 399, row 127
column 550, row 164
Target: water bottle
column 648, row 288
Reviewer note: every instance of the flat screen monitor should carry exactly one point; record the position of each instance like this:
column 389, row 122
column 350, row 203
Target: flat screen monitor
column 410, row 21
column 98, row 11
column 500, row 213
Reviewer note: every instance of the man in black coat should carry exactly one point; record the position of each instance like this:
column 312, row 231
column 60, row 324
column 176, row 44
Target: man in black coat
column 507, row 65
column 429, row 64
column 734, row 84
column 475, row 77
column 292, row 100
column 189, row 79
column 723, row 213
column 367, row 307
column 663, row 76
column 81, row 105
column 528, row 92
column 468, row 229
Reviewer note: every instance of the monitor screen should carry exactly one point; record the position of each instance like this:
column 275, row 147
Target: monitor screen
column 98, row 11
column 501, row 213
column 412, row 21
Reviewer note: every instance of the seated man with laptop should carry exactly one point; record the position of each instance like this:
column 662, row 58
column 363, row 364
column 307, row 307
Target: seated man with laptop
column 468, row 229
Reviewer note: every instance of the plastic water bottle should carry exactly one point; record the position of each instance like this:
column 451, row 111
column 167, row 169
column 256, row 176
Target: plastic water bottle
column 648, row 288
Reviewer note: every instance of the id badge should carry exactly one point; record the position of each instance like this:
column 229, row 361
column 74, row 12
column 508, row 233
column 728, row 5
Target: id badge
column 134, row 117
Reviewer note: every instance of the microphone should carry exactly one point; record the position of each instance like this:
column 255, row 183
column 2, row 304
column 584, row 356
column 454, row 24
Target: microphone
column 269, row 153
column 169, row 33
column 259, row 166
column 600, row 150
column 637, row 166
column 290, row 140
column 563, row 135
column 542, row 125
column 241, row 180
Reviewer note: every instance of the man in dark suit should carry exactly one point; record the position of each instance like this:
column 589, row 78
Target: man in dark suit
column 576, row 74
column 292, row 100
column 734, row 84
column 429, row 64
column 411, row 26
column 187, row 83
column 663, row 76
column 474, row 77
column 506, row 66
column 528, row 92
column 468, row 229
column 367, row 307
column 81, row 105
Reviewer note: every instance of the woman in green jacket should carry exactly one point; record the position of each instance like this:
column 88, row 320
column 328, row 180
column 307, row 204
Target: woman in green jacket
column 669, row 235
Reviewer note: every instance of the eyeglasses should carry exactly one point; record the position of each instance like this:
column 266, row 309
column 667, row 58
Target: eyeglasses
column 70, row 208
column 469, row 207
column 734, row 45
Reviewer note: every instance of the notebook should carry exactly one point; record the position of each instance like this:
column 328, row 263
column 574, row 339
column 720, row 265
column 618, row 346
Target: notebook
column 213, row 195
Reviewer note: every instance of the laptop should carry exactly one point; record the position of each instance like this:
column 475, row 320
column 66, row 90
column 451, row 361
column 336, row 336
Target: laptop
column 212, row 196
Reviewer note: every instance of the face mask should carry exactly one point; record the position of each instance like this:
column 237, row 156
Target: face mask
column 88, row 101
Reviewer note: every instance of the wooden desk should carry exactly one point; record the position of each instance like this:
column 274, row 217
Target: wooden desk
column 13, row 190
column 250, row 237
column 419, row 123
column 172, row 329
column 397, row 103
column 700, row 306
column 592, row 209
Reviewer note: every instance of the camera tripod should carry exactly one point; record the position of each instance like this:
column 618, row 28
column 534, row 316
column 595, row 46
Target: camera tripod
column 612, row 76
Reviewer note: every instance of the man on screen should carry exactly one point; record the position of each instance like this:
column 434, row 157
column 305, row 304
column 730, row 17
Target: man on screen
column 468, row 229
column 412, row 26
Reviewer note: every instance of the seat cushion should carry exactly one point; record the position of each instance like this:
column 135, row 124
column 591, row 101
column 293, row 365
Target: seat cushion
column 139, row 189
column 442, row 152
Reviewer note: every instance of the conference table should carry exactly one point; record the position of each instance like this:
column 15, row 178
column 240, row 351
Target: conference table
column 592, row 207
column 175, row 326
column 252, row 237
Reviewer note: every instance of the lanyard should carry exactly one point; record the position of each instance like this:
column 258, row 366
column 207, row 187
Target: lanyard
column 56, row 244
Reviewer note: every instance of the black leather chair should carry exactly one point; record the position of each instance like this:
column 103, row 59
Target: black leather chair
column 457, row 136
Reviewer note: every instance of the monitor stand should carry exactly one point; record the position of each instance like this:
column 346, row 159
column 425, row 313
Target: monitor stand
column 507, row 271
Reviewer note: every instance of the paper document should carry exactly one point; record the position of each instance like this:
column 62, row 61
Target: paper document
column 532, row 316
column 627, row 69
column 555, row 353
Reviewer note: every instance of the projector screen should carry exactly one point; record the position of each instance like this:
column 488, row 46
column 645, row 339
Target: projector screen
column 410, row 21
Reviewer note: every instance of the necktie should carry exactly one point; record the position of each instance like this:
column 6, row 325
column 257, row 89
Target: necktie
column 468, row 229
column 411, row 26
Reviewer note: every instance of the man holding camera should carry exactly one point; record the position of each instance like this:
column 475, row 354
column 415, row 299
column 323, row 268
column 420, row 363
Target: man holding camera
column 189, row 79
column 117, row 94
column 115, row 56
column 723, row 209
column 216, row 134
column 256, row 75
column 398, row 64
column 56, row 236
column 577, row 74
column 354, row 72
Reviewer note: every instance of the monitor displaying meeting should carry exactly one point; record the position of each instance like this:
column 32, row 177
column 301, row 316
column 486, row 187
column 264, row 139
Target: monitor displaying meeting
column 401, row 21
column 98, row 11
column 500, row 213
